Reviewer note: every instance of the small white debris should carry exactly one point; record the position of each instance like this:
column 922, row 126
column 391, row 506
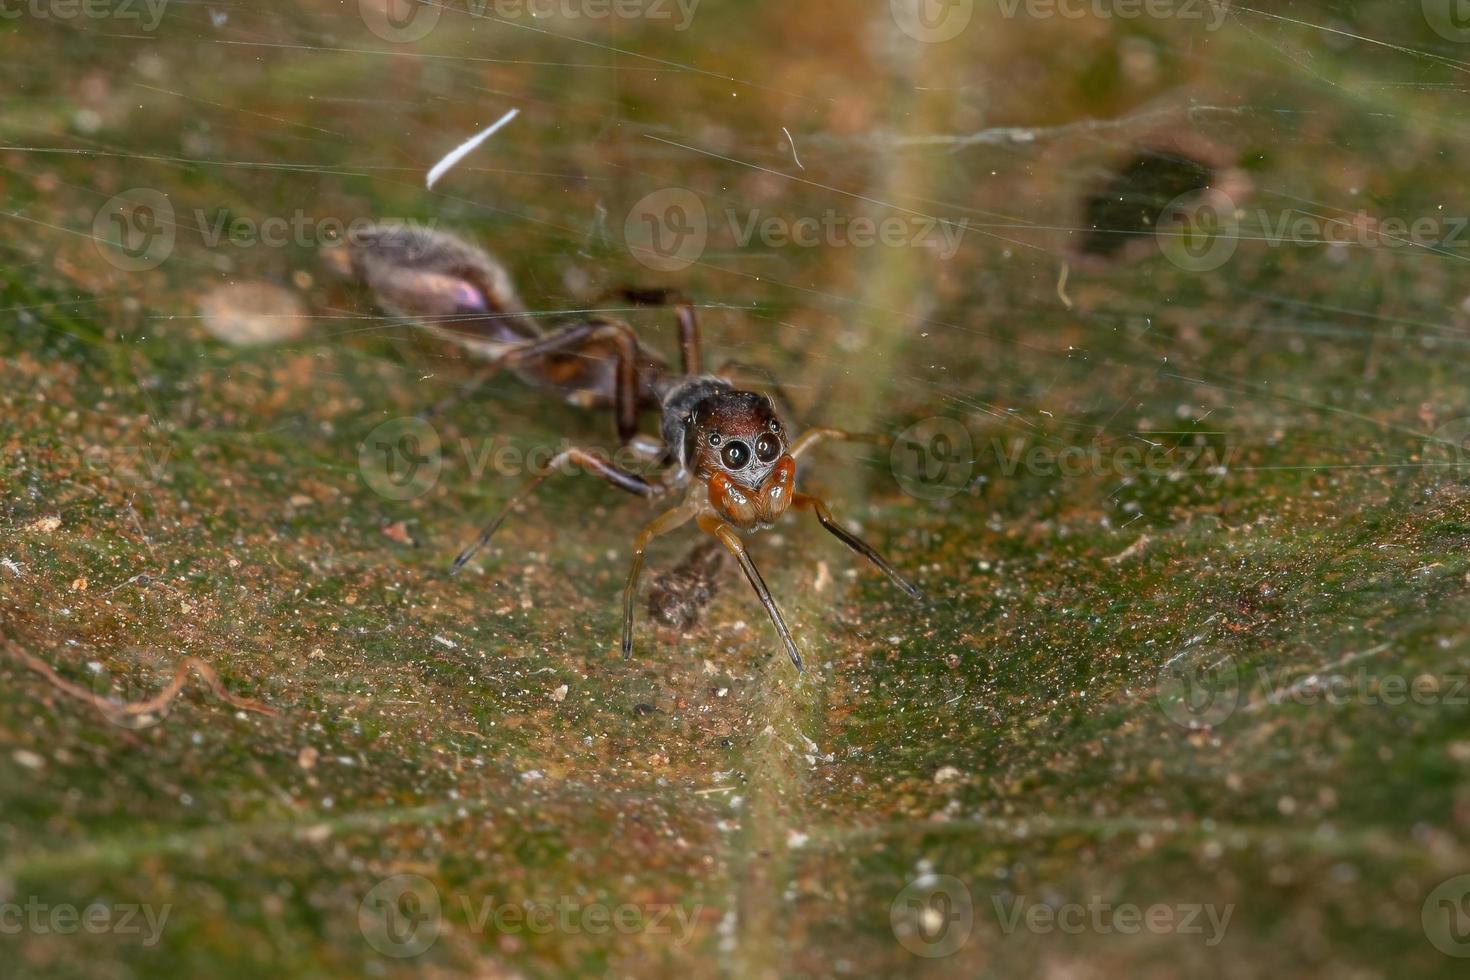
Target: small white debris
column 948, row 774
column 253, row 313
column 796, row 839
column 317, row 833
column 560, row 694
column 532, row 776
column 445, row 641
column 28, row 759
column 467, row 147
column 45, row 525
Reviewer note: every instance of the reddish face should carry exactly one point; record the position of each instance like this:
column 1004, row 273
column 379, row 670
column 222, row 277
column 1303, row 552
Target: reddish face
column 738, row 446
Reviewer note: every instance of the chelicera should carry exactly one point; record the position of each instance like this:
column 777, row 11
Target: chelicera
column 727, row 454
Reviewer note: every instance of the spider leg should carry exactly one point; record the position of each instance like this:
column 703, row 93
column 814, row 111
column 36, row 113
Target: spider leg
column 600, row 468
column 805, row 501
column 690, row 359
column 663, row 524
column 733, row 544
column 812, row 437
column 625, row 393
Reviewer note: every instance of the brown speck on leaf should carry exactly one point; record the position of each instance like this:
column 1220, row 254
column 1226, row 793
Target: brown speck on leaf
column 307, row 758
column 1132, row 551
column 398, row 532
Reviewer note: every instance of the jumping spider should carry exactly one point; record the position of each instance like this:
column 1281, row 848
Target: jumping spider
column 727, row 449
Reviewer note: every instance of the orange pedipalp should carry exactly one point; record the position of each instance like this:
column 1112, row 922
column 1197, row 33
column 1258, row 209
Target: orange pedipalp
column 746, row 508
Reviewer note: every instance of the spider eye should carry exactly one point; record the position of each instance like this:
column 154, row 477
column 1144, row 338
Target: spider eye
column 775, row 425
column 714, row 438
column 767, row 448
column 735, row 456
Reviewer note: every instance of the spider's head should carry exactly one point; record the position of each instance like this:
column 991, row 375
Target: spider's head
column 736, row 444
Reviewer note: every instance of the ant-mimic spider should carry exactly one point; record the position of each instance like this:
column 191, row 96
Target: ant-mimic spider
column 725, row 448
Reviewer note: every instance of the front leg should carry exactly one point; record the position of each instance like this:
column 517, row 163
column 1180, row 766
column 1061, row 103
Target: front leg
column 602, row 469
column 661, row 525
column 733, row 544
column 805, row 501
column 812, row 437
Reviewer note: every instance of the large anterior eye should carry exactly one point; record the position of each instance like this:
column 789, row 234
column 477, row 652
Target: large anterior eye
column 735, row 455
column 767, row 448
